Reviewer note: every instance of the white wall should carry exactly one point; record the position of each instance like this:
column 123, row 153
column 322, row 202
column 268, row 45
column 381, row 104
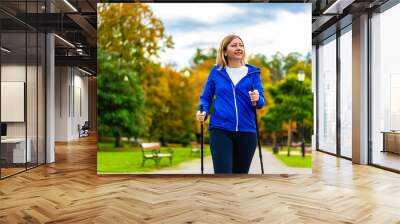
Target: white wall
column 50, row 97
column 71, row 94
column 360, row 90
column 33, row 126
column 12, row 73
column 62, row 81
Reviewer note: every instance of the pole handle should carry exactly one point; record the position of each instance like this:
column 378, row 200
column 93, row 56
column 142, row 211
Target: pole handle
column 252, row 89
column 201, row 111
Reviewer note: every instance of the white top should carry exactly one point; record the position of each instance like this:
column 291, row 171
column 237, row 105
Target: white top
column 236, row 74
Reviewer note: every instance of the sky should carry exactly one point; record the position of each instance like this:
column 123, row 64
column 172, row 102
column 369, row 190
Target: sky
column 265, row 28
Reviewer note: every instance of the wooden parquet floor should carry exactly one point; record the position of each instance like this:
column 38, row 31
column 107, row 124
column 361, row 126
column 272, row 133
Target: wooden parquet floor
column 70, row 191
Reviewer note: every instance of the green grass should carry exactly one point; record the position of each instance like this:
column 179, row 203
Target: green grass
column 129, row 159
column 108, row 145
column 295, row 160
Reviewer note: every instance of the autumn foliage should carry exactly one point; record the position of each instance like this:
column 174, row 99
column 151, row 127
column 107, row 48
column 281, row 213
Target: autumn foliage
column 140, row 98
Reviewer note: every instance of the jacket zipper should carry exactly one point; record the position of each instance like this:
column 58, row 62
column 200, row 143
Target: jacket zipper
column 234, row 97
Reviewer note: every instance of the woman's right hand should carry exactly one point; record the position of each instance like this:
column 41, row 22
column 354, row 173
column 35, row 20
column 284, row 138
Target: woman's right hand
column 201, row 116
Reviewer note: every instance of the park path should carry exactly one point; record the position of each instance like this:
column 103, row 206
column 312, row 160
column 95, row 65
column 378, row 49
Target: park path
column 272, row 165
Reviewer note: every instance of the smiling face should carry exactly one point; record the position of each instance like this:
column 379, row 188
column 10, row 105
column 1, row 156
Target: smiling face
column 235, row 50
column 231, row 52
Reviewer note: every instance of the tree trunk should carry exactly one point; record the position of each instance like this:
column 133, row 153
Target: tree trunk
column 118, row 141
column 275, row 148
column 289, row 139
column 162, row 140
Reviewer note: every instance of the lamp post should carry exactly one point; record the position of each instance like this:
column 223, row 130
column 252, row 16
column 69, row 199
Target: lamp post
column 301, row 76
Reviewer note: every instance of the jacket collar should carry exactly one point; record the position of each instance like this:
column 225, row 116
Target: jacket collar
column 251, row 69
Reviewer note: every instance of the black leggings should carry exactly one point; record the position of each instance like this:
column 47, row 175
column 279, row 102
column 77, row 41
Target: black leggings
column 231, row 151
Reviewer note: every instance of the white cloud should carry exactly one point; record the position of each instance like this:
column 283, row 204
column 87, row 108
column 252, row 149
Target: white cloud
column 202, row 12
column 289, row 32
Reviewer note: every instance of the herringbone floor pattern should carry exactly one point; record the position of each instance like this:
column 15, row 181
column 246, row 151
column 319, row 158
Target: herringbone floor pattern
column 70, row 191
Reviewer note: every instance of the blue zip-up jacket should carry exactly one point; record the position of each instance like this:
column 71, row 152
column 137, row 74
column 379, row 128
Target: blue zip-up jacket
column 233, row 110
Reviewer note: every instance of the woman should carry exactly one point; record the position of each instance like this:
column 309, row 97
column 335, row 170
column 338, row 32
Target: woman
column 232, row 128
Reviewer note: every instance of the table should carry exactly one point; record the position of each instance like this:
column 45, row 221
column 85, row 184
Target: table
column 391, row 141
column 13, row 150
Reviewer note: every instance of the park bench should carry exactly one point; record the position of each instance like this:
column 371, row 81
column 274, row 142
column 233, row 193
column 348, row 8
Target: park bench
column 195, row 149
column 153, row 151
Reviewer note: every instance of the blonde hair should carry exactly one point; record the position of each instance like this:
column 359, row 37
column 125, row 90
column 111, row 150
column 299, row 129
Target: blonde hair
column 222, row 60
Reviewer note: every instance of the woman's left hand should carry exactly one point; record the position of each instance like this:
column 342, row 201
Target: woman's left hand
column 254, row 96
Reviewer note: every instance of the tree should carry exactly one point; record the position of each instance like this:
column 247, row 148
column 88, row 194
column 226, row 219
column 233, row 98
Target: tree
column 259, row 61
column 275, row 65
column 132, row 31
column 290, row 60
column 120, row 98
column 129, row 35
column 171, row 108
column 273, row 123
column 280, row 65
column 301, row 65
column 200, row 57
column 293, row 100
column 308, row 58
column 197, row 79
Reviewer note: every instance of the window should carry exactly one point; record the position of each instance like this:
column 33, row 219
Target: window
column 327, row 95
column 385, row 89
column 23, row 87
column 346, row 92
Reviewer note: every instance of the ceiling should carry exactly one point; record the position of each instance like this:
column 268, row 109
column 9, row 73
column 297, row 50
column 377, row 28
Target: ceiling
column 74, row 22
column 330, row 15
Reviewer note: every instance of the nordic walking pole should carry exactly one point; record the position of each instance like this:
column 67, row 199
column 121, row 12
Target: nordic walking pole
column 201, row 141
column 258, row 134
